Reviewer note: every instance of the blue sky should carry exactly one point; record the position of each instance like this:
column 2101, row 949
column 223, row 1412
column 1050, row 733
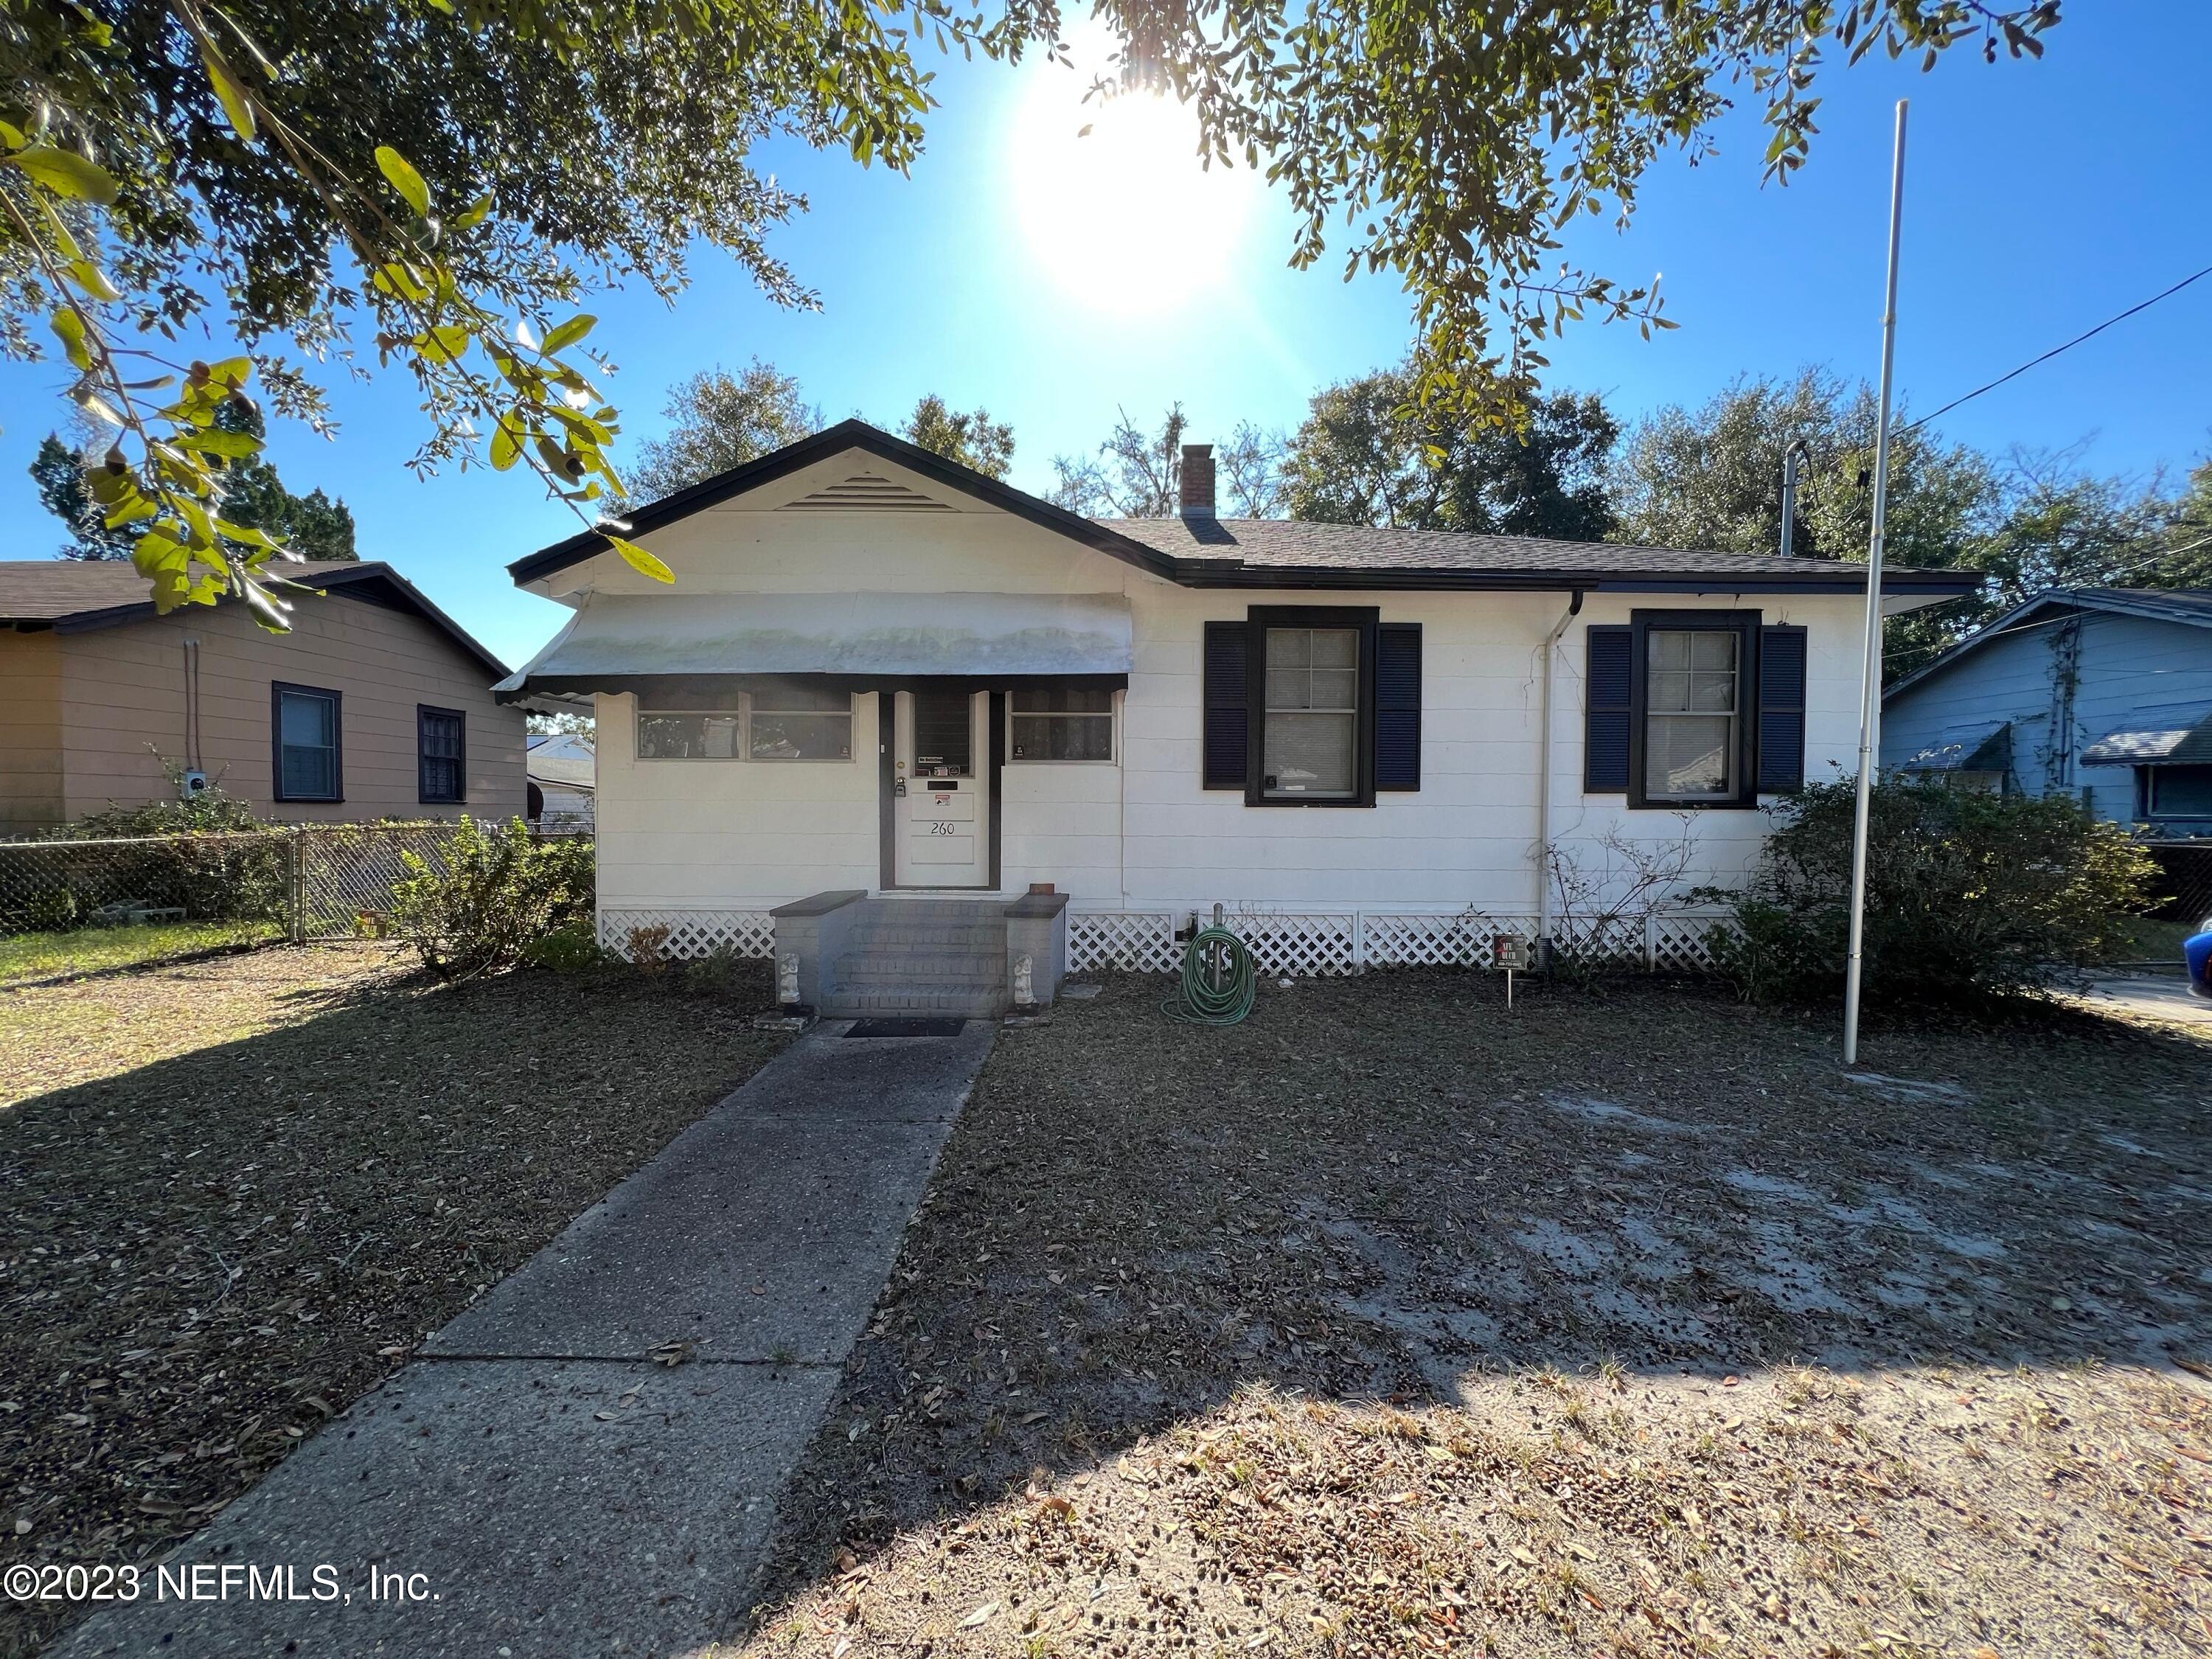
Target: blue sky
column 2040, row 199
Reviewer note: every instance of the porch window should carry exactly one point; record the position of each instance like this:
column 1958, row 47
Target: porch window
column 1311, row 747
column 1060, row 723
column 800, row 723
column 692, row 733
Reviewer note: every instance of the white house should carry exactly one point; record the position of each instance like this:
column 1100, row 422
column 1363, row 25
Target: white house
column 877, row 673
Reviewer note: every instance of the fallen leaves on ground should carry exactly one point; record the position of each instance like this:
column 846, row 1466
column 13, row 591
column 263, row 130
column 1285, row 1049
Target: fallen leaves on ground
column 1391, row 1323
column 235, row 1195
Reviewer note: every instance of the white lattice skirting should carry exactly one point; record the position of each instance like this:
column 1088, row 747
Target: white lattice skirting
column 1307, row 944
column 689, row 934
column 1300, row 943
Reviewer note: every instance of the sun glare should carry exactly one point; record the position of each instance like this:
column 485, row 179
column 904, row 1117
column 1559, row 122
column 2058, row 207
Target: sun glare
column 1123, row 217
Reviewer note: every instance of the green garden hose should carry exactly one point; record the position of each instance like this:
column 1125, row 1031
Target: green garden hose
column 1218, row 977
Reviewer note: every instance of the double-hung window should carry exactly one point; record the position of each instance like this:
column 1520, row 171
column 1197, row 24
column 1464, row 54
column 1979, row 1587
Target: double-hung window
column 1694, row 708
column 440, row 755
column 1311, row 706
column 1060, row 723
column 305, row 731
column 1692, row 714
column 1310, row 744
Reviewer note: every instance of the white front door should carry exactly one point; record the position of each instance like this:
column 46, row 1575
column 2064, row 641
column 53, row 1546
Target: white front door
column 941, row 789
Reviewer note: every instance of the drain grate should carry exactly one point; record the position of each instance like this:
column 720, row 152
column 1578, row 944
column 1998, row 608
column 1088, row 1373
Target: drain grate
column 905, row 1027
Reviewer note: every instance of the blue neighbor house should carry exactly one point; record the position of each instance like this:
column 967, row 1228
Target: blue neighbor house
column 2102, row 691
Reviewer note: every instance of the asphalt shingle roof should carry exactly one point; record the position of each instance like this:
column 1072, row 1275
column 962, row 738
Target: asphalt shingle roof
column 46, row 590
column 1296, row 544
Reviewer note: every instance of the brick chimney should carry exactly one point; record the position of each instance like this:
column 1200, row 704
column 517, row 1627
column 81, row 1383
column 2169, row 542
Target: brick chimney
column 1198, row 481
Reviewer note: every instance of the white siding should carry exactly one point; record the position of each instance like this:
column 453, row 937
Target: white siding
column 1142, row 833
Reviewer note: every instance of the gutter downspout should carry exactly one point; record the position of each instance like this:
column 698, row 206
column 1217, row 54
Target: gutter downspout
column 1544, row 783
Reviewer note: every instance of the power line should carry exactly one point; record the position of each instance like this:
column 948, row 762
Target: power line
column 2055, row 350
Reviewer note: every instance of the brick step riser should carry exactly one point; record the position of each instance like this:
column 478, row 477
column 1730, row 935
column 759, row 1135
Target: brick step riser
column 905, row 968
column 838, row 1007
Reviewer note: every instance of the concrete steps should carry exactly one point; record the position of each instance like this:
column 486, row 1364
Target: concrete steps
column 918, row 957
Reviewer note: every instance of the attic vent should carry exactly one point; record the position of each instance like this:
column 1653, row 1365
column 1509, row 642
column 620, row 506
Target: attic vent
column 866, row 492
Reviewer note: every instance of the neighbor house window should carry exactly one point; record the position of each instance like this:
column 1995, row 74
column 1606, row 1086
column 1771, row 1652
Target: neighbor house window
column 1060, row 723
column 2177, row 791
column 698, row 726
column 797, row 722
column 441, row 754
column 1692, row 714
column 305, row 726
column 1310, row 735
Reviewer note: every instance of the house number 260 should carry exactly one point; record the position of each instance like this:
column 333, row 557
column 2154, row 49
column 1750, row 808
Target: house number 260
column 939, row 827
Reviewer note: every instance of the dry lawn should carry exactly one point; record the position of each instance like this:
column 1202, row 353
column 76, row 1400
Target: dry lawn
column 233, row 1194
column 1389, row 1323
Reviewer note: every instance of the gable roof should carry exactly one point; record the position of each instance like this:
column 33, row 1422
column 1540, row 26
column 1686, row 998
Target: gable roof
column 1281, row 552
column 70, row 595
column 2190, row 606
column 833, row 440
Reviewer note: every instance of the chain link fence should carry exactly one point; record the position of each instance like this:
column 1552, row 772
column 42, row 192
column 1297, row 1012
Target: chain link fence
column 314, row 881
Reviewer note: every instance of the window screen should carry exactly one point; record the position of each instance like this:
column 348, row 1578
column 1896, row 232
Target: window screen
column 1062, row 723
column 795, row 722
column 1312, row 745
column 307, row 746
column 1692, row 705
column 440, row 734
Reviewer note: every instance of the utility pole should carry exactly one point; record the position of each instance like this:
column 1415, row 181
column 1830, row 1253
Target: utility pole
column 1870, row 673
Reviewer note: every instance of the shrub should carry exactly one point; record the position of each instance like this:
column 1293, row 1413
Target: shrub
column 494, row 893
column 570, row 948
column 1969, row 896
column 720, row 972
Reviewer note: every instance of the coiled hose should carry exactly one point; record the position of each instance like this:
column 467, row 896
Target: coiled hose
column 1218, row 977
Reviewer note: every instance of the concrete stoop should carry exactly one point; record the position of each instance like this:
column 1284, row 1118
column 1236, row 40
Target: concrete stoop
column 847, row 955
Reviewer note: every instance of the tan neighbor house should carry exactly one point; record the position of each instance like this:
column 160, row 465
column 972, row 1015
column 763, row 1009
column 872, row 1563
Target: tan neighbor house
column 375, row 705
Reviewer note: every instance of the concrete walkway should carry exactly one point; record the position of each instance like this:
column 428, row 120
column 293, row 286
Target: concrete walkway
column 555, row 1488
column 2163, row 999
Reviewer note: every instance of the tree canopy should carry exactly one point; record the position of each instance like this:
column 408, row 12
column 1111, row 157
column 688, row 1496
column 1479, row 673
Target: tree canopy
column 718, row 420
column 1133, row 474
column 445, row 182
column 973, row 441
column 1709, row 476
column 313, row 526
column 1367, row 453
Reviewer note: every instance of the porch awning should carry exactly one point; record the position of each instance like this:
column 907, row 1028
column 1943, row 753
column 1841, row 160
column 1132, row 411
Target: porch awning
column 2175, row 734
column 617, row 641
column 1986, row 747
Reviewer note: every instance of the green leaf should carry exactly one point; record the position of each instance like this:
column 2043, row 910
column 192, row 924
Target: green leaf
column 65, row 172
column 474, row 214
column 641, row 560
column 230, row 95
column 569, row 333
column 69, row 328
column 506, row 443
column 402, row 177
column 231, row 446
column 93, row 280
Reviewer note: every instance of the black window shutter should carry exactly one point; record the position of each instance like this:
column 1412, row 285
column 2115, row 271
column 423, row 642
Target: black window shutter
column 1398, row 706
column 1227, row 695
column 1781, row 709
column 1604, row 731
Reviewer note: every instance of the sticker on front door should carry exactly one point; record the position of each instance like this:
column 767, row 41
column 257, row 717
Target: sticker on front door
column 941, row 825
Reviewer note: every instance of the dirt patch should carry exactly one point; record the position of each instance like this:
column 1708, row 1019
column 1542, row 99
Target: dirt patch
column 1388, row 1322
column 234, row 1195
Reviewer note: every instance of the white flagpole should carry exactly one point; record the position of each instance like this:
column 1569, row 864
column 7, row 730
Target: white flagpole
column 1871, row 681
